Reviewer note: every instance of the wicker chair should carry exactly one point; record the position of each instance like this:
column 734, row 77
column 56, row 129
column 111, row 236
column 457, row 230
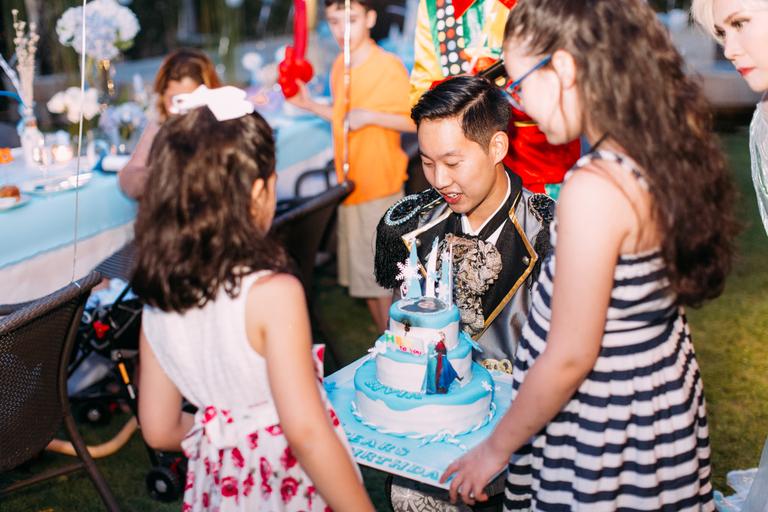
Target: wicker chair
column 302, row 230
column 119, row 264
column 36, row 341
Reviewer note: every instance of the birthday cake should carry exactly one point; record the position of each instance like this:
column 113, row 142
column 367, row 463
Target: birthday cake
column 420, row 378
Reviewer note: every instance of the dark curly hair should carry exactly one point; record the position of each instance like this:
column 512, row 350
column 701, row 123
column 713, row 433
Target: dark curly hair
column 633, row 87
column 195, row 231
column 479, row 104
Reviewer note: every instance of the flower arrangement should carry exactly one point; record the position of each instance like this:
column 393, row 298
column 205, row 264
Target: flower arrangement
column 122, row 122
column 111, row 29
column 69, row 102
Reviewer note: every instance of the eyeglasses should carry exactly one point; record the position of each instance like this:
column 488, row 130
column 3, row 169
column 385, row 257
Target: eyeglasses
column 514, row 89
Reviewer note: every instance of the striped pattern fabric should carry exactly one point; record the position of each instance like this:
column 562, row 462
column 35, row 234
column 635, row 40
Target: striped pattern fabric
column 634, row 435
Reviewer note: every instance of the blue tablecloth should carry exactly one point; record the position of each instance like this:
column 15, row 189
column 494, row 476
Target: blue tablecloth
column 48, row 222
column 299, row 139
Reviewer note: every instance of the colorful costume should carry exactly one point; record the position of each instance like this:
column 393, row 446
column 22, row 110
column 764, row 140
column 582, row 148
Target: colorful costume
column 455, row 37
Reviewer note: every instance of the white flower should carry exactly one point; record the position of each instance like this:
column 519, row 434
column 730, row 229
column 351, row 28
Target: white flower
column 68, row 24
column 486, row 386
column 57, row 104
column 111, row 28
column 91, row 106
column 68, row 102
column 127, row 25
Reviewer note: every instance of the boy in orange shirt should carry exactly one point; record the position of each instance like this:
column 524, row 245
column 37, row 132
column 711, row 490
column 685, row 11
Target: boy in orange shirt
column 379, row 110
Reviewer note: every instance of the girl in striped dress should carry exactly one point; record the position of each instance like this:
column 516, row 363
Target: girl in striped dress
column 608, row 410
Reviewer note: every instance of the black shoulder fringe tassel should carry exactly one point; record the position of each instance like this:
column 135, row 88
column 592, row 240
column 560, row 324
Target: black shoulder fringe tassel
column 544, row 211
column 401, row 218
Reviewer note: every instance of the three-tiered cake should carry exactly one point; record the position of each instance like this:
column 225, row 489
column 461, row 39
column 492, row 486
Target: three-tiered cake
column 420, row 378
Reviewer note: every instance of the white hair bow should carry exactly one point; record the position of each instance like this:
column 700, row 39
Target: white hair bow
column 224, row 102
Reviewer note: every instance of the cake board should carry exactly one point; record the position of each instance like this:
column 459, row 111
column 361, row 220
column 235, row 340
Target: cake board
column 399, row 455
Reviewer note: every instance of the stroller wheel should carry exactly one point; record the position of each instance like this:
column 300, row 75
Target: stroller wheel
column 164, row 484
column 94, row 413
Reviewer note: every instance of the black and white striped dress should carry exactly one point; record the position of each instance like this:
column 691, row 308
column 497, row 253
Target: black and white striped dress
column 634, row 435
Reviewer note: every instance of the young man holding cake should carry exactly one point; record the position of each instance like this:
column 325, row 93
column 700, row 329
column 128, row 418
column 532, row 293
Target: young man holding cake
column 497, row 229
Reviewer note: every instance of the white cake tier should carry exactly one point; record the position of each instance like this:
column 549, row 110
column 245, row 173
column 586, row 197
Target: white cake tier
column 405, row 371
column 459, row 411
column 423, row 320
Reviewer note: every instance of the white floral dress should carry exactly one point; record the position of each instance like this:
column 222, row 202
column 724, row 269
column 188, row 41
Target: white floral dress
column 239, row 459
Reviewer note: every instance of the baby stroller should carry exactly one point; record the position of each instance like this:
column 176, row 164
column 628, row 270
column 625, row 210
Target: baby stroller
column 100, row 382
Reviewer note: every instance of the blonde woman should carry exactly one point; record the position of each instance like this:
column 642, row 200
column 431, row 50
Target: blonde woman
column 741, row 26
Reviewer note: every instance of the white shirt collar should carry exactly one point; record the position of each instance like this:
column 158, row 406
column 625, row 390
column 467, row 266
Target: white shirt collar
column 466, row 227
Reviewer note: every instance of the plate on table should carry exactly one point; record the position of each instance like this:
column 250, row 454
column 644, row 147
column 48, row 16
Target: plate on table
column 9, row 203
column 56, row 184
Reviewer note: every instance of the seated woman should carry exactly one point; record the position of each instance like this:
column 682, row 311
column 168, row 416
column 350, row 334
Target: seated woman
column 183, row 71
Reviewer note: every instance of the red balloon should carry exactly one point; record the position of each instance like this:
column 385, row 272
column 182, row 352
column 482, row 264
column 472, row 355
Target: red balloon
column 303, row 70
column 293, row 67
column 289, row 87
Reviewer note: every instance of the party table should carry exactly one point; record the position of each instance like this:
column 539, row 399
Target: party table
column 38, row 253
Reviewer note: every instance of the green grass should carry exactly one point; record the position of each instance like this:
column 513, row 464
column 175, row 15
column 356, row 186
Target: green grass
column 730, row 335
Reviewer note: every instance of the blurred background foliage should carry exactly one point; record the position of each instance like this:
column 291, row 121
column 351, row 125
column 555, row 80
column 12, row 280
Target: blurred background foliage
column 215, row 25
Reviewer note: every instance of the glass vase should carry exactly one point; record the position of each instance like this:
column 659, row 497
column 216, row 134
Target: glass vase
column 32, row 141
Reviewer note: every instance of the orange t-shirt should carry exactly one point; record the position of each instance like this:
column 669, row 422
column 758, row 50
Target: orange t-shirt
column 377, row 163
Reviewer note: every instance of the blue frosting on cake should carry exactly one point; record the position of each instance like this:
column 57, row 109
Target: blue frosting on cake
column 479, row 387
column 424, row 312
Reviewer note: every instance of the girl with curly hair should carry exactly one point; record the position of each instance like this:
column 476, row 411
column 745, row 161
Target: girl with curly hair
column 226, row 327
column 608, row 410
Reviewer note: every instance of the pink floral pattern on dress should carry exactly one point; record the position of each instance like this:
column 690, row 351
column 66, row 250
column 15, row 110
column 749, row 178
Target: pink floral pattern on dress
column 288, row 489
column 237, row 463
column 287, row 459
column 253, row 440
column 237, row 458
